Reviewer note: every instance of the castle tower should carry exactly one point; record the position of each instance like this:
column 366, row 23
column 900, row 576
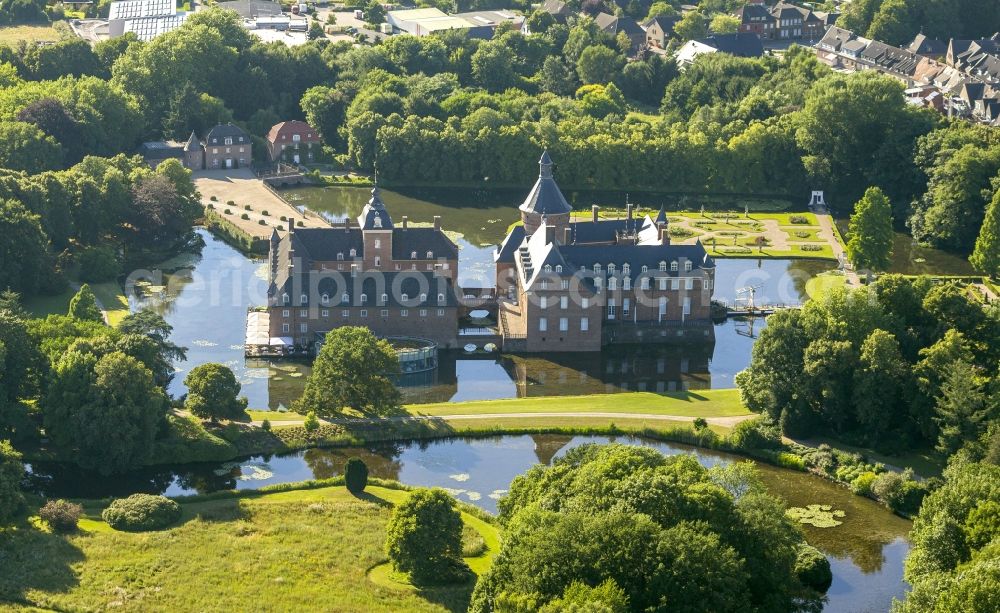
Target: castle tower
column 376, row 227
column 545, row 200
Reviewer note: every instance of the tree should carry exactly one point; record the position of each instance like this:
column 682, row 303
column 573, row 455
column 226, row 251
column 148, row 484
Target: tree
column 83, row 305
column 724, row 24
column 691, row 26
column 316, row 31
column 961, row 407
column 151, row 324
column 11, row 474
column 23, row 146
column 660, row 9
column 986, row 255
column 159, row 214
column 599, row 64
column 355, row 475
column 555, row 77
column 870, row 245
column 190, row 111
column 24, row 250
column 52, row 117
column 878, row 384
column 213, row 393
column 353, row 369
column 374, row 13
column 325, row 109
column 424, row 537
column 107, row 411
column 493, row 66
column 539, row 22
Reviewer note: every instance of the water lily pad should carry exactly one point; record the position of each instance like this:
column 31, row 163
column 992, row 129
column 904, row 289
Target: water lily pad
column 817, row 515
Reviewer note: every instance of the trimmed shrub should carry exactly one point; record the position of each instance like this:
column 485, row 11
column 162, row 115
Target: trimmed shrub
column 210, row 206
column 228, row 212
column 261, row 222
column 799, row 219
column 424, row 538
column 246, row 207
column 813, row 569
column 230, row 202
column 299, row 224
column 244, row 216
column 141, row 512
column 214, row 198
column 265, row 213
column 61, row 515
column 356, row 475
column 283, row 218
column 811, row 247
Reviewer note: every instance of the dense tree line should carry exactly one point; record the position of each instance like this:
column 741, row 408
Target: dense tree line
column 616, row 528
column 896, row 22
column 904, row 363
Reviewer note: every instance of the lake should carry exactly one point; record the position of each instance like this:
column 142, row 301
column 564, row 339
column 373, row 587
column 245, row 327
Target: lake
column 866, row 552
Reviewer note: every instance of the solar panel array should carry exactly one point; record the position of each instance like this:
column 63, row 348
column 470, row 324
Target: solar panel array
column 136, row 9
column 148, row 28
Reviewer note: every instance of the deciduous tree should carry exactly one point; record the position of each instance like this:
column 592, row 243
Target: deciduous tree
column 213, row 393
column 870, row 243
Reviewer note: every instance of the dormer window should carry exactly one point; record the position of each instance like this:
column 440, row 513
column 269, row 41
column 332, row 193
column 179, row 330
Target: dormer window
column 285, row 298
column 597, row 268
column 345, row 298
column 663, row 266
column 325, row 298
column 673, row 266
column 354, row 253
column 687, row 266
column 548, row 268
column 364, row 298
column 423, row 297
column 430, row 255
column 611, row 269
column 413, row 255
column 406, row 297
column 385, row 298
column 626, row 269
column 378, row 221
column 303, row 299
column 440, row 298
column 645, row 269
column 559, row 268
column 340, row 255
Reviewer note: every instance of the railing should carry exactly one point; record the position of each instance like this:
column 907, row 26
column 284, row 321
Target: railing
column 481, row 331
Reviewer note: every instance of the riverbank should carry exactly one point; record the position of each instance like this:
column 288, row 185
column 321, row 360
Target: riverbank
column 327, row 531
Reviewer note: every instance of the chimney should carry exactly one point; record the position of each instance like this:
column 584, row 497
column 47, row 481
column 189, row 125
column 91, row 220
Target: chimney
column 664, row 235
column 291, row 225
column 437, row 222
column 405, row 219
column 593, row 212
column 567, row 235
column 347, row 224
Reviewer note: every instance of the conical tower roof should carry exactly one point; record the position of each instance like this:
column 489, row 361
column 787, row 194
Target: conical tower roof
column 545, row 198
column 375, row 216
column 192, row 143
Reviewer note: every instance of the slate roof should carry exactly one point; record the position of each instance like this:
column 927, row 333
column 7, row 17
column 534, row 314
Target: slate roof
column 218, row 133
column 422, row 240
column 374, row 215
column 753, row 14
column 925, row 45
column 743, row 44
column 372, row 285
column 835, row 38
column 545, row 197
column 637, row 256
column 614, row 24
column 665, row 22
column 193, row 143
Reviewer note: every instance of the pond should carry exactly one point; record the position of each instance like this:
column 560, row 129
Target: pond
column 866, row 552
column 909, row 258
column 206, row 305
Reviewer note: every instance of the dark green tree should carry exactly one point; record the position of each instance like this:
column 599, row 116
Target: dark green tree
column 11, row 474
column 870, row 243
column 424, row 537
column 83, row 305
column 355, row 475
column 213, row 393
column 986, row 255
column 24, row 251
column 353, row 370
column 961, row 407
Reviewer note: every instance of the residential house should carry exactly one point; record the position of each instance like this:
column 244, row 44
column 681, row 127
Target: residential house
column 927, row 46
column 574, row 285
column 295, row 142
column 741, row 44
column 614, row 25
column 795, row 22
column 659, row 30
column 755, row 18
column 558, row 9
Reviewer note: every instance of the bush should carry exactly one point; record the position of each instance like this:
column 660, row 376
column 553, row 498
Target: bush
column 700, row 423
column 214, row 198
column 801, row 234
column 862, row 484
column 299, row 224
column 261, row 222
column 228, row 212
column 61, row 515
column 280, row 228
column 811, row 247
column 265, row 425
column 230, row 202
column 312, row 422
column 264, row 213
column 791, row 461
column 99, row 264
column 813, row 569
column 356, row 476
column 210, row 206
column 244, row 216
column 756, row 433
column 799, row 219
column 899, row 491
column 141, row 512
column 424, row 538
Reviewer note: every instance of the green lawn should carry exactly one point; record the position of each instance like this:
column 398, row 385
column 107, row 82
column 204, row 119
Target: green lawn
column 701, row 403
column 822, row 283
column 109, row 294
column 307, row 549
column 11, row 35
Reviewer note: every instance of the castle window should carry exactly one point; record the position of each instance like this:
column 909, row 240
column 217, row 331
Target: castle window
column 687, row 266
column 303, row 299
column 627, row 283
column 663, row 266
column 385, row 298
column 378, row 243
column 384, row 312
column 340, row 255
column 611, row 269
column 354, row 252
column 364, row 298
column 430, row 255
column 413, row 255
column 423, row 297
column 626, row 269
column 345, row 298
column 378, row 223
column 612, row 283
column 406, row 297
column 559, row 268
column 548, row 268
column 325, row 298
column 673, row 266
column 440, row 298
column 597, row 268
column 645, row 269
column 285, row 298
column 363, row 313
column 564, row 284
column 644, row 284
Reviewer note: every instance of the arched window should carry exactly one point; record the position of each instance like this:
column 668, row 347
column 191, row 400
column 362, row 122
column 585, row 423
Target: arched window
column 559, row 268
column 663, row 266
column 325, row 298
column 673, row 266
column 345, row 298
column 378, row 221
column 440, row 297
column 354, row 252
column 548, row 268
column 413, row 255
column 645, row 269
column 364, row 298
column 430, row 255
column 385, row 298
column 303, row 299
column 423, row 297
column 285, row 298
column 340, row 255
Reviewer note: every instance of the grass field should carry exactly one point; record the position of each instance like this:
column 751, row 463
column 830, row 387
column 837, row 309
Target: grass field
column 701, row 403
column 306, row 549
column 11, row 35
column 109, row 294
column 820, row 284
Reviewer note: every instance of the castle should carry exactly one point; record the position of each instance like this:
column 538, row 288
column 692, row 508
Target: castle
column 563, row 284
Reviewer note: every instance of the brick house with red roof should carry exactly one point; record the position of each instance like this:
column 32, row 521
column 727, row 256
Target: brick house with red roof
column 293, row 141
